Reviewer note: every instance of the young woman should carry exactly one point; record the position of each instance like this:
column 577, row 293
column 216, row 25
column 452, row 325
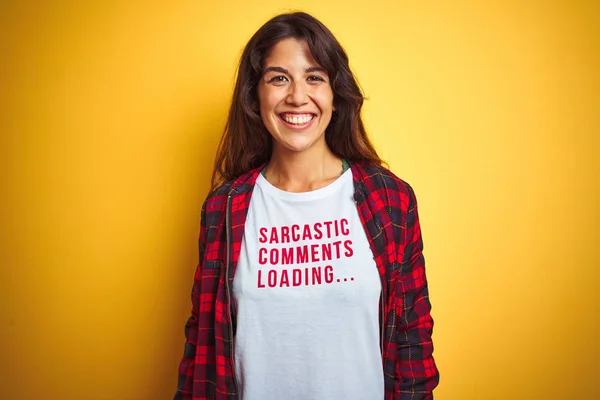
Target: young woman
column 311, row 282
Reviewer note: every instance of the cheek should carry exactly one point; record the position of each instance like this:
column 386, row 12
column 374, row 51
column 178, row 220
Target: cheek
column 268, row 100
column 325, row 99
column 267, row 103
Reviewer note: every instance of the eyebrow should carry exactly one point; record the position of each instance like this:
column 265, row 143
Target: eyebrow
column 285, row 71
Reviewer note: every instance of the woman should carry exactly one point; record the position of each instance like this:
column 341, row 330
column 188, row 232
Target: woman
column 311, row 281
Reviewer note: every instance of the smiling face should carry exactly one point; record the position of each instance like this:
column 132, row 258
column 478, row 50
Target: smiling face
column 296, row 100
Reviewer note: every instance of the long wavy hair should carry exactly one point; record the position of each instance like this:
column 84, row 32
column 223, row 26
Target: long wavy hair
column 246, row 143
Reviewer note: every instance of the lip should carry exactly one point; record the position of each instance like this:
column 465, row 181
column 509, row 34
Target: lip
column 297, row 127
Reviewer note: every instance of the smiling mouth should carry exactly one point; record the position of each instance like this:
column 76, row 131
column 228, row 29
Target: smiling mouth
column 297, row 119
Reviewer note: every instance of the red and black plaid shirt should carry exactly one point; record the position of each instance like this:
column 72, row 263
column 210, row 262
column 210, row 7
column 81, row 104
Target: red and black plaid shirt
column 388, row 210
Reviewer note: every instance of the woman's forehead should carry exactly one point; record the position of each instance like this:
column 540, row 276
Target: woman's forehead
column 291, row 53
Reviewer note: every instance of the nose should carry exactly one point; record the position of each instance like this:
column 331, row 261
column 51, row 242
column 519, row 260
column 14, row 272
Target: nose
column 297, row 94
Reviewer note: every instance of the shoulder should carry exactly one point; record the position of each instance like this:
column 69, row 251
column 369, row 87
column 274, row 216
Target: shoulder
column 216, row 201
column 379, row 180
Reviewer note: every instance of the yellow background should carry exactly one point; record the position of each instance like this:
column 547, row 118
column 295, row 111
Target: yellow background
column 110, row 113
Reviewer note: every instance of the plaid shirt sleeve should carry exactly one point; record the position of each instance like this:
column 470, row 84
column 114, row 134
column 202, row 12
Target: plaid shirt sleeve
column 186, row 366
column 416, row 366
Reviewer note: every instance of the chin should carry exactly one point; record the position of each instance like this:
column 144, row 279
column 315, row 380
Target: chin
column 300, row 144
column 297, row 148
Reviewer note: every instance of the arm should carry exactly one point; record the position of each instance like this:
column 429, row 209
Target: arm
column 416, row 366
column 187, row 364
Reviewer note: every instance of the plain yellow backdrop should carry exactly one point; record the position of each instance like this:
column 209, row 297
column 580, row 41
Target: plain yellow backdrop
column 110, row 115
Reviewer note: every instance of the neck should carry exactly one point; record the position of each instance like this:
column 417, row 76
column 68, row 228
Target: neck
column 303, row 171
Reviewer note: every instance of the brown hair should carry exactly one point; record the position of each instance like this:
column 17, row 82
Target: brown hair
column 246, row 143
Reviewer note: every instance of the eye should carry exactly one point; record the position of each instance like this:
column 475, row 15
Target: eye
column 315, row 79
column 278, row 79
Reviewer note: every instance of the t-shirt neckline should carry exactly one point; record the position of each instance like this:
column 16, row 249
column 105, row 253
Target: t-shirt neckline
column 320, row 193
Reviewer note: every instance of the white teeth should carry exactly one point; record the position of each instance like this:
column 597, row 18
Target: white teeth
column 297, row 120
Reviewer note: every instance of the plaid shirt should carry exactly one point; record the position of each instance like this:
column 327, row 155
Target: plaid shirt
column 388, row 210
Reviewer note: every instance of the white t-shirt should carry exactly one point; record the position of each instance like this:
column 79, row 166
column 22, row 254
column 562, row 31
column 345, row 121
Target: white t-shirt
column 307, row 293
